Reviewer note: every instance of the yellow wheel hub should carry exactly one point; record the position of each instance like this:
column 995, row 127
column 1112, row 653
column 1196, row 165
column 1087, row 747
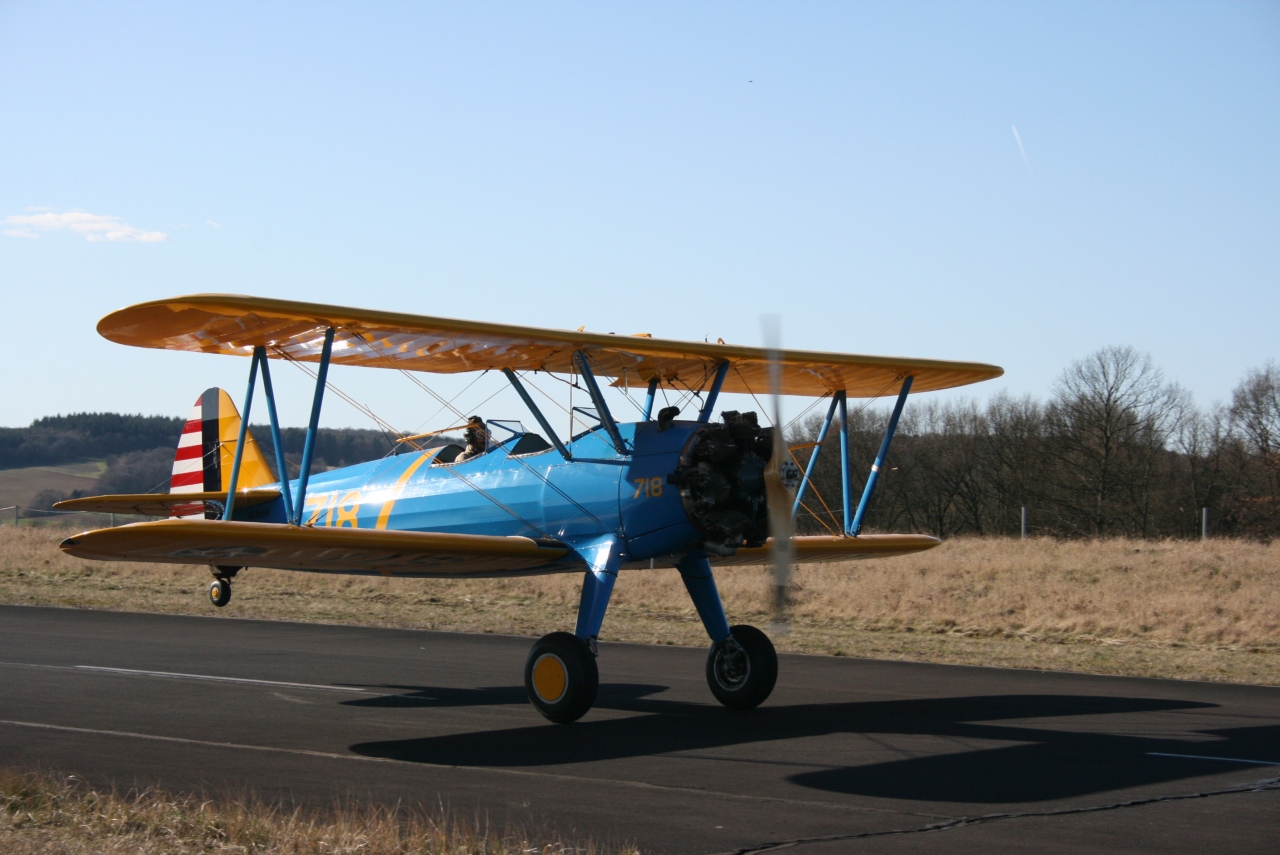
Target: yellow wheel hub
column 550, row 678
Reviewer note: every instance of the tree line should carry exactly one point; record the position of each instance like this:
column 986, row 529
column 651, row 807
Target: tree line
column 139, row 450
column 1115, row 450
column 54, row 440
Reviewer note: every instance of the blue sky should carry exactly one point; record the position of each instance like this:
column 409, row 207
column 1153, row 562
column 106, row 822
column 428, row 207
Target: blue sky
column 678, row 169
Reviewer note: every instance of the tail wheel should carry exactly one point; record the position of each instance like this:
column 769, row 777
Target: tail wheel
column 220, row 592
column 742, row 669
column 561, row 677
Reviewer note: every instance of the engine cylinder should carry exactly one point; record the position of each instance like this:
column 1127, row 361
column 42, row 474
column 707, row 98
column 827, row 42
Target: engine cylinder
column 721, row 481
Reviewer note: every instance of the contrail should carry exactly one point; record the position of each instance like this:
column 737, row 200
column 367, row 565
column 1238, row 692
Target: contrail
column 1018, row 137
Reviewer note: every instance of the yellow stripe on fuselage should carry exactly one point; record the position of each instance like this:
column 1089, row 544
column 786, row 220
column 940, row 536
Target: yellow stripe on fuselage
column 385, row 514
column 342, row 507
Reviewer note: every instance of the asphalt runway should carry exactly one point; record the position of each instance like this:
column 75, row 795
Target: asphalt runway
column 848, row 755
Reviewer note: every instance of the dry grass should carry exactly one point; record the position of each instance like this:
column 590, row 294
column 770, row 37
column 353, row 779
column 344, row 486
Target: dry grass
column 1206, row 611
column 53, row 814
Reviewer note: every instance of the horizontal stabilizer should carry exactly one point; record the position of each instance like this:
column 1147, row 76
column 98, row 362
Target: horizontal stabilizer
column 323, row 550
column 820, row 550
column 164, row 504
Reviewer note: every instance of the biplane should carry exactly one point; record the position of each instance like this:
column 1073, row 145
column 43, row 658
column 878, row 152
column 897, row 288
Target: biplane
column 673, row 489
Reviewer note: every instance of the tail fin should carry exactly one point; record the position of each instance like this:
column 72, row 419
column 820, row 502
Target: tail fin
column 207, row 449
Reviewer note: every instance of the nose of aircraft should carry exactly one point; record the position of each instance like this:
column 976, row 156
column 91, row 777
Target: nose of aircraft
column 721, row 481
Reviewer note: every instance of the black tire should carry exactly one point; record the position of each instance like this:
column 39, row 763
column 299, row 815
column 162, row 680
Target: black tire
column 561, row 678
column 220, row 592
column 742, row 679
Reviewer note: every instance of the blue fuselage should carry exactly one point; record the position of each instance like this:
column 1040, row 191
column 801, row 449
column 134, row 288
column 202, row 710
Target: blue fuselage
column 535, row 495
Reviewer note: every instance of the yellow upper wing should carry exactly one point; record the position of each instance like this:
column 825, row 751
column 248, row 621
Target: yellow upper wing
column 233, row 324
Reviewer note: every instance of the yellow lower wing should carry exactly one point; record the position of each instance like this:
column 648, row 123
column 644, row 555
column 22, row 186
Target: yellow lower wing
column 163, row 504
column 324, row 550
column 815, row 550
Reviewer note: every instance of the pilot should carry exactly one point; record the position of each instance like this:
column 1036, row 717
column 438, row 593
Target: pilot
column 477, row 439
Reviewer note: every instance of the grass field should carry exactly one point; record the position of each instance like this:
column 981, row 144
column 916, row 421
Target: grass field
column 1205, row 611
column 42, row 814
column 19, row 486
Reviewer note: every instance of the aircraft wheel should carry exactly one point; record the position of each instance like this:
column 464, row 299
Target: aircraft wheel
column 561, row 677
column 220, row 592
column 742, row 670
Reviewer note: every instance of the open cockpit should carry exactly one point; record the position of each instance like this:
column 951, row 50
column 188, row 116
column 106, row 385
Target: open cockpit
column 511, row 436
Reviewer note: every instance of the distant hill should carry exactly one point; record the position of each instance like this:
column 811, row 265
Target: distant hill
column 59, row 440
column 56, row 440
column 39, row 462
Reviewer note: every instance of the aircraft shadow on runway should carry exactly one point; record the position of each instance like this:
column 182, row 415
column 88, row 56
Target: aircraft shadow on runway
column 1046, row 763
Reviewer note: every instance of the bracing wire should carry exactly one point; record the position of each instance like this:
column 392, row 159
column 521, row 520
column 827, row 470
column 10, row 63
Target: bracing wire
column 626, row 392
column 687, row 396
column 814, row 488
column 367, row 411
column 817, row 447
column 383, row 425
column 452, row 472
column 465, row 389
column 424, row 387
column 752, row 393
column 691, row 393
column 789, row 424
column 632, row 401
column 822, row 522
column 486, row 400
column 525, row 379
column 465, row 480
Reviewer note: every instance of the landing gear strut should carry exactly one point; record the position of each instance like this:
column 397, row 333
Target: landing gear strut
column 220, row 587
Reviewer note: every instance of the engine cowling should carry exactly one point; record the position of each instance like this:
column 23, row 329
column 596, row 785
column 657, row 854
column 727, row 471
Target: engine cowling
column 721, row 481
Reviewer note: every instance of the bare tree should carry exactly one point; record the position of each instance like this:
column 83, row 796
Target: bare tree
column 1111, row 416
column 1200, row 468
column 1255, row 413
column 953, row 491
column 1015, row 457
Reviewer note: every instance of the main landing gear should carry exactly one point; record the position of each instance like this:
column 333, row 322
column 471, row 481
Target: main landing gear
column 561, row 678
column 220, row 587
column 560, row 674
column 742, row 669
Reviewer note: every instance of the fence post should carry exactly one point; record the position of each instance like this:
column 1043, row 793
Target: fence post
column 1024, row 522
column 15, row 514
column 1204, row 523
column 113, row 521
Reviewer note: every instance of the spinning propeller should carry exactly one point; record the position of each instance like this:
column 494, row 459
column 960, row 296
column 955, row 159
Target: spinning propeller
column 781, row 477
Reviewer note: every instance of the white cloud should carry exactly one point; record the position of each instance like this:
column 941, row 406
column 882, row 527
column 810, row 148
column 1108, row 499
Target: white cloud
column 94, row 227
